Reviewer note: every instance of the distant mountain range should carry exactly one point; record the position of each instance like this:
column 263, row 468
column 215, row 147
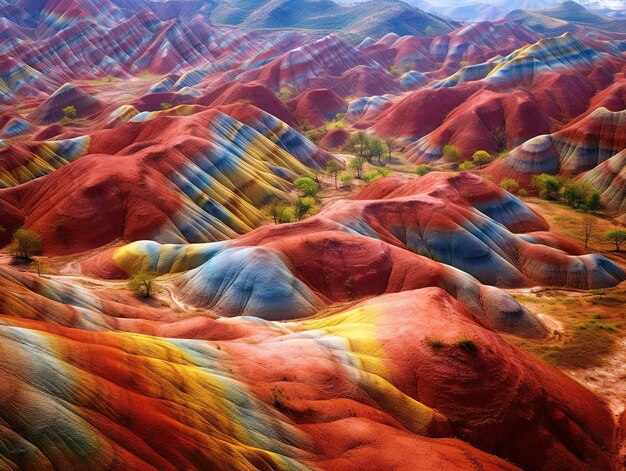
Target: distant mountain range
column 563, row 18
column 368, row 18
column 361, row 19
column 477, row 10
column 350, row 18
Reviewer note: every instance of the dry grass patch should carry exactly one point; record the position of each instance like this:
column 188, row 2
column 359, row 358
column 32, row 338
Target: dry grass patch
column 568, row 222
column 592, row 325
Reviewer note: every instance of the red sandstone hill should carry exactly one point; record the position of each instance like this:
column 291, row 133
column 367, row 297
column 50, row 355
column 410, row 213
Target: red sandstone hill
column 317, row 107
column 198, row 177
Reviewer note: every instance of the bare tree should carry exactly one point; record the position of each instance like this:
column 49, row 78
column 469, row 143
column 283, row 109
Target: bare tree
column 589, row 226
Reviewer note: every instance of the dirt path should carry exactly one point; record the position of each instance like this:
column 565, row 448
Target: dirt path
column 81, row 279
column 179, row 304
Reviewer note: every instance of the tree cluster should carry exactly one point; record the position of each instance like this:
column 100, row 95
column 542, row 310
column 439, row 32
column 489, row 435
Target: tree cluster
column 575, row 193
column 371, row 148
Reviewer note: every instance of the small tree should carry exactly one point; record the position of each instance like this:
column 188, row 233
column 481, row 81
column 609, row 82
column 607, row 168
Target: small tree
column 390, row 143
column 70, row 112
column 307, row 186
column 357, row 164
column 142, row 284
column 165, row 105
column 593, row 202
column 25, row 244
column 589, row 226
column 450, row 153
column 376, row 150
column 509, row 184
column 333, row 168
column 301, row 208
column 617, row 236
column 346, row 179
column 576, row 192
column 352, row 145
column 481, row 157
column 547, row 186
column 277, row 211
column 40, row 267
column 358, row 142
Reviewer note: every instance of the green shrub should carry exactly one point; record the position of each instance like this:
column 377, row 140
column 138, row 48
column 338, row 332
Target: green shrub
column 307, row 186
column 481, row 157
column 397, row 70
column 70, row 112
column 509, row 184
column 375, row 174
column 450, row 153
column 286, row 93
column 467, row 165
column 608, row 301
column 142, row 284
column 25, row 244
column 422, row 170
column 336, row 124
column 346, row 179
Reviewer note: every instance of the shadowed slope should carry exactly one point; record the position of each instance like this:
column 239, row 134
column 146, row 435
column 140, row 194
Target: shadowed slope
column 609, row 178
column 579, row 147
column 52, row 109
